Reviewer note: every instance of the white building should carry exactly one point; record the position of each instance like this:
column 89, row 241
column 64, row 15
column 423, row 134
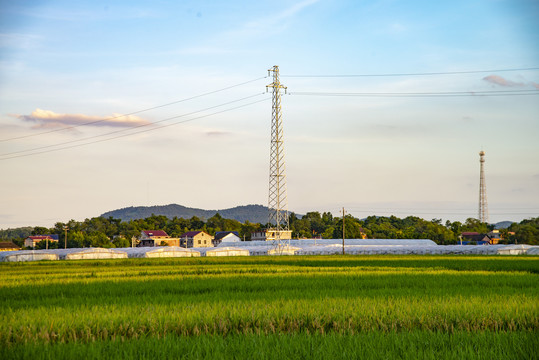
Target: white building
column 271, row 235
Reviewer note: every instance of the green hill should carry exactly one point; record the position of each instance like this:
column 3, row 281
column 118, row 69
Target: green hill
column 252, row 213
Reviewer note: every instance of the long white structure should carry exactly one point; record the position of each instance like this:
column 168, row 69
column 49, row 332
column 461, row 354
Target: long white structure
column 26, row 255
column 262, row 248
column 159, row 252
column 224, row 251
column 87, row 253
column 325, row 242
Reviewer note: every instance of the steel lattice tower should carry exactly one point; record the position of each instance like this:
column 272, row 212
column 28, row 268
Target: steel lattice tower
column 483, row 209
column 277, row 201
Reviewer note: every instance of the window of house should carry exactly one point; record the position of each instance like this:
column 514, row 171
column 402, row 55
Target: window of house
column 198, row 242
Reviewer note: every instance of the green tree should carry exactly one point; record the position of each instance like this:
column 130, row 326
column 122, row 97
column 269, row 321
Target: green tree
column 39, row 230
column 475, row 225
column 121, row 242
column 43, row 245
column 195, row 223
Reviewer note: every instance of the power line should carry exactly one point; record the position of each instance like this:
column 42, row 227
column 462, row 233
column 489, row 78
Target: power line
column 412, row 213
column 129, row 129
column 436, row 209
column 439, row 211
column 422, row 94
column 411, row 74
column 138, row 132
column 134, row 112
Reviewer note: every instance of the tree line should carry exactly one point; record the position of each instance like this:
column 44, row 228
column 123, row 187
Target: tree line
column 110, row 232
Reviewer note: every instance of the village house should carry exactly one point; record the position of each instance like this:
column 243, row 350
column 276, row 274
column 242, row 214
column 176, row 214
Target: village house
column 157, row 238
column 491, row 238
column 494, row 236
column 270, row 235
column 31, row 241
column 226, row 237
column 196, row 239
column 8, row 246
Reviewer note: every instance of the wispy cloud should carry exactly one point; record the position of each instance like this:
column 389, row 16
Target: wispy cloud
column 275, row 22
column 228, row 41
column 50, row 119
column 498, row 80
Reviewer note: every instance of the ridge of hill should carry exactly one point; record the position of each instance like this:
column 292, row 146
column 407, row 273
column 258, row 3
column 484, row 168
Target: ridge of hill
column 503, row 224
column 251, row 213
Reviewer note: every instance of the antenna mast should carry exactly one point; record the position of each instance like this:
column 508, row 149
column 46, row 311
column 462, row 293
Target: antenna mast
column 483, row 209
column 277, row 201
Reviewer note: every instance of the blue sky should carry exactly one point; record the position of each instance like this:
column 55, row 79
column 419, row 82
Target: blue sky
column 64, row 63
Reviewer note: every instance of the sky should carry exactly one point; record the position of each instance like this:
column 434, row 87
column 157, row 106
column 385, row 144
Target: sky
column 111, row 104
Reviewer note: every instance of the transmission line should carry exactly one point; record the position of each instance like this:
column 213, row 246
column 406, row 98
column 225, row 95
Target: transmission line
column 134, row 112
column 134, row 133
column 423, row 94
column 411, row 74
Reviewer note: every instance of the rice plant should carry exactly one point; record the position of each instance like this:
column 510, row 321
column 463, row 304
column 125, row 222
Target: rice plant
column 91, row 305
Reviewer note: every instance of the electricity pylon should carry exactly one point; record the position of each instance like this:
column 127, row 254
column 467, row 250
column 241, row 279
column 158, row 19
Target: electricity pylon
column 483, row 209
column 277, row 200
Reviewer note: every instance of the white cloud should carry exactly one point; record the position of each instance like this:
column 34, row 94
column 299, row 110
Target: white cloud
column 50, row 119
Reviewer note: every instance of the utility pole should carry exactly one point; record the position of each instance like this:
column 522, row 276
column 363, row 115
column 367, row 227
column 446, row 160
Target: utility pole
column 65, row 239
column 343, row 231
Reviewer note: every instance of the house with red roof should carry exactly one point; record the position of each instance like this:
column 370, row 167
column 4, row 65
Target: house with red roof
column 31, row 241
column 196, row 239
column 157, row 238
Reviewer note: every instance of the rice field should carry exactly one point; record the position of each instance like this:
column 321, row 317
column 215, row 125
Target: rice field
column 443, row 307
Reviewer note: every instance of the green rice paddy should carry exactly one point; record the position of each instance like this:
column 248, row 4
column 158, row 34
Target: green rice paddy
column 379, row 307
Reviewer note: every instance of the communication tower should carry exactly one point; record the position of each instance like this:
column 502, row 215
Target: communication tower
column 483, row 209
column 277, row 200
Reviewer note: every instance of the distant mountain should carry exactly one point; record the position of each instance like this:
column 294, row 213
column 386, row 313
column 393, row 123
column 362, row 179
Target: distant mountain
column 251, row 213
column 502, row 224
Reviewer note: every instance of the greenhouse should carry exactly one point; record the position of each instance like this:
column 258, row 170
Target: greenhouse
column 283, row 250
column 27, row 255
column 160, row 252
column 87, row 253
column 261, row 248
column 514, row 250
column 308, row 242
column 224, row 251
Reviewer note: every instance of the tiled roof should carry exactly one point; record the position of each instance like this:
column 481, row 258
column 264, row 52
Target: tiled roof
column 40, row 237
column 221, row 234
column 152, row 233
column 8, row 245
column 190, row 234
column 476, row 237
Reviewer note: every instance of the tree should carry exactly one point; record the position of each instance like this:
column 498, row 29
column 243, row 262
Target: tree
column 75, row 239
column 39, row 230
column 475, row 225
column 43, row 245
column 121, row 242
column 329, row 233
column 195, row 223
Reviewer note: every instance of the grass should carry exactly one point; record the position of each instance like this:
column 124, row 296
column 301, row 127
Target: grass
column 371, row 345
column 332, row 305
